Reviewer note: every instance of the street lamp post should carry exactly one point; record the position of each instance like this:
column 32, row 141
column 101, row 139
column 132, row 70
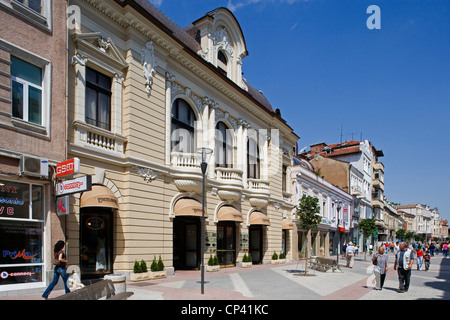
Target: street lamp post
column 203, row 156
column 339, row 206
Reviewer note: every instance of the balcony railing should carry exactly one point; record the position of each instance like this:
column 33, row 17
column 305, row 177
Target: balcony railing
column 229, row 175
column 258, row 185
column 185, row 160
column 99, row 138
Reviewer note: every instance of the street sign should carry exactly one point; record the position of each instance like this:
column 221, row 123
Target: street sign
column 74, row 186
column 68, row 167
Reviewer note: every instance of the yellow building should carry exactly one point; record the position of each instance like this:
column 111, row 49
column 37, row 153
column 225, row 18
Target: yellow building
column 144, row 95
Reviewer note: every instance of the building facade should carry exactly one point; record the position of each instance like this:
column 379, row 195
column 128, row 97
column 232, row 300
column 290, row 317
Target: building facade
column 348, row 165
column 32, row 124
column 336, row 207
column 144, row 95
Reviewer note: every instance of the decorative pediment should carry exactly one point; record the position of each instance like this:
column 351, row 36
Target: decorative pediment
column 94, row 45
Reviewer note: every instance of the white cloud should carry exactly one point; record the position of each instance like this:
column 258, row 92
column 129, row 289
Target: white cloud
column 157, row 3
column 234, row 5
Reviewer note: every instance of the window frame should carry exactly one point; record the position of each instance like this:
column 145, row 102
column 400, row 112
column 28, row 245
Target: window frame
column 257, row 166
column 46, row 66
column 182, row 125
column 41, row 19
column 225, row 146
column 99, row 90
column 26, row 95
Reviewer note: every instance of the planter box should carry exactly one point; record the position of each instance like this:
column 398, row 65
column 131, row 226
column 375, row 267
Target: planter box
column 281, row 261
column 274, row 261
column 140, row 276
column 147, row 276
column 212, row 268
column 246, row 264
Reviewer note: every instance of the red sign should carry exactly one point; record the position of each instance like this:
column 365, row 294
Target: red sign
column 68, row 167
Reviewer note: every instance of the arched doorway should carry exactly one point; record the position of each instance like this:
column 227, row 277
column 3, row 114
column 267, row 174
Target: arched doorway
column 256, row 235
column 186, row 234
column 97, row 232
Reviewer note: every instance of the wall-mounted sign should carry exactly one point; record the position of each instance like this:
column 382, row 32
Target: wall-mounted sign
column 68, row 167
column 62, row 206
column 74, row 186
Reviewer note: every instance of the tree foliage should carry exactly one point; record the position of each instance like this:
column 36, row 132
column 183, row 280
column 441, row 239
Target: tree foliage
column 307, row 210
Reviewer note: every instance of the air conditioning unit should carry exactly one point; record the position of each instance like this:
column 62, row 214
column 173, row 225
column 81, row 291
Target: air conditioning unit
column 32, row 166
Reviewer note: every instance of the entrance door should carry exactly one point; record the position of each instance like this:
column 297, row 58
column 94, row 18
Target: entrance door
column 226, row 244
column 256, row 243
column 96, row 242
column 186, row 243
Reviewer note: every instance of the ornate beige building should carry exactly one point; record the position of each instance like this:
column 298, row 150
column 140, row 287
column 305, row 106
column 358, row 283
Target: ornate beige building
column 144, row 95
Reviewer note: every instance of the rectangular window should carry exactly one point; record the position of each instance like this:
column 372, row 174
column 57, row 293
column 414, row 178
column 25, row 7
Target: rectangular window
column 26, row 84
column 284, row 179
column 21, row 233
column 34, row 5
column 98, row 99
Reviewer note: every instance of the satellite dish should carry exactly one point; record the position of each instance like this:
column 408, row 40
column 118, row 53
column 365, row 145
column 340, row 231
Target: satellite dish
column 303, row 150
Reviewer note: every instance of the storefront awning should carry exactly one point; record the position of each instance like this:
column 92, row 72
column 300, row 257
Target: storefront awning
column 287, row 224
column 229, row 213
column 188, row 207
column 99, row 196
column 259, row 218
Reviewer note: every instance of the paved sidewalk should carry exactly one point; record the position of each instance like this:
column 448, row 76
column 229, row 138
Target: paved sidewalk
column 287, row 282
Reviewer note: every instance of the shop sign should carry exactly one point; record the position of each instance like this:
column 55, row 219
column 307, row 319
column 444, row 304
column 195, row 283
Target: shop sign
column 62, row 206
column 68, row 167
column 77, row 185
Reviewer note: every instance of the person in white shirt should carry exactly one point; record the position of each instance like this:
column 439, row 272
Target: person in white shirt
column 350, row 254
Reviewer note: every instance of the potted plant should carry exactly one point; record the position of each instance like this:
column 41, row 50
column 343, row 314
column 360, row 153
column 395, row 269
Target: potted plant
column 282, row 257
column 213, row 264
column 247, row 261
column 140, row 272
column 157, row 269
column 274, row 258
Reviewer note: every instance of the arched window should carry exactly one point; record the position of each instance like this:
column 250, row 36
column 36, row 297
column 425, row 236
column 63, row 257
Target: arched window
column 224, row 146
column 222, row 62
column 253, row 160
column 183, row 127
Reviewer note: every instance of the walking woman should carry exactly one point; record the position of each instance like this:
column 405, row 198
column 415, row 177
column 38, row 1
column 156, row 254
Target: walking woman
column 380, row 261
column 60, row 263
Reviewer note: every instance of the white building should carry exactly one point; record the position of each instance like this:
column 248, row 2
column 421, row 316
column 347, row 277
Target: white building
column 335, row 209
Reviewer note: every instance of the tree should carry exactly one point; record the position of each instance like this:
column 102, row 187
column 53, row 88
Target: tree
column 307, row 211
column 400, row 234
column 368, row 227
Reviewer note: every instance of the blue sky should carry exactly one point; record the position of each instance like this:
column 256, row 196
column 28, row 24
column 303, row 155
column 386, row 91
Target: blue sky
column 318, row 62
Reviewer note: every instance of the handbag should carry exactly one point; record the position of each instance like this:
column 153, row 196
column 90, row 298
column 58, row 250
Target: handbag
column 375, row 262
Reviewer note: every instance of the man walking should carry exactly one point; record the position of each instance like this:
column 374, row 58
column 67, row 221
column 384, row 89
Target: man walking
column 350, row 253
column 404, row 260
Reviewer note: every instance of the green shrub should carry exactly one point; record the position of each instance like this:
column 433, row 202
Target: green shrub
column 216, row 261
column 282, row 255
column 211, row 261
column 143, row 266
column 137, row 267
column 274, row 256
column 154, row 265
column 160, row 264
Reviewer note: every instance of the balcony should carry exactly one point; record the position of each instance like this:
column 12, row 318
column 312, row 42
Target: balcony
column 258, row 185
column 229, row 175
column 185, row 160
column 100, row 139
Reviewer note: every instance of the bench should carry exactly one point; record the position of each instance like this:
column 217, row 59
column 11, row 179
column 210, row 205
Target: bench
column 324, row 264
column 101, row 290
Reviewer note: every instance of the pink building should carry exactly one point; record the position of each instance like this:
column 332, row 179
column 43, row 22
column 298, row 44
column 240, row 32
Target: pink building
column 33, row 64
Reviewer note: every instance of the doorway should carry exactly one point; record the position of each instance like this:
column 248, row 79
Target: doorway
column 256, row 243
column 226, row 244
column 186, row 243
column 96, row 242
